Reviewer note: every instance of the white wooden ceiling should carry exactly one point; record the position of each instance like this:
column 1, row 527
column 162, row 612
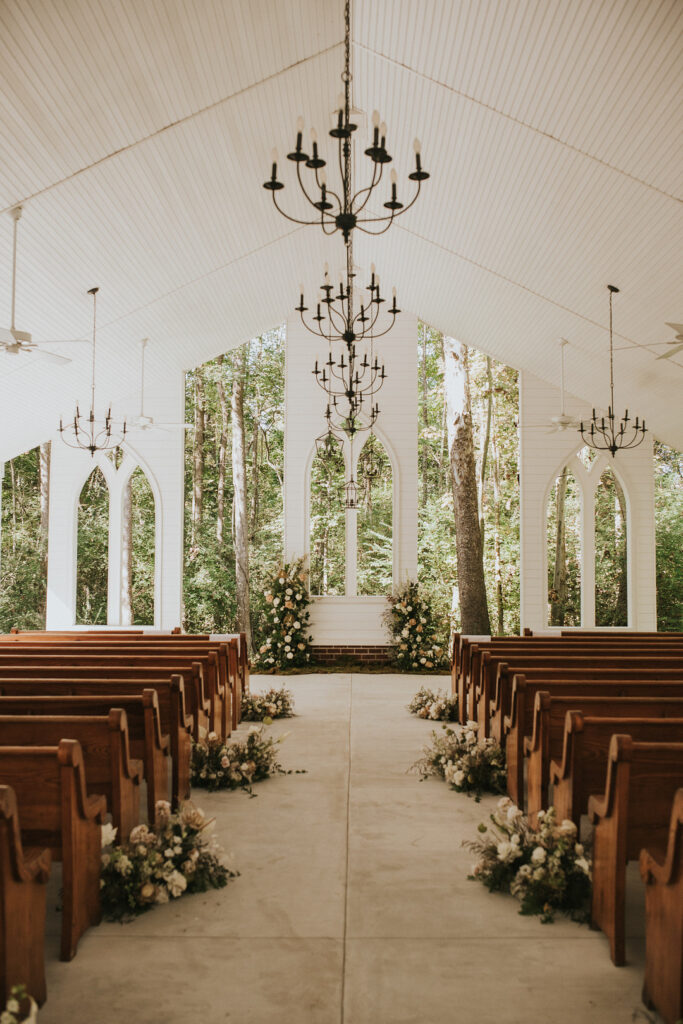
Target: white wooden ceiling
column 137, row 134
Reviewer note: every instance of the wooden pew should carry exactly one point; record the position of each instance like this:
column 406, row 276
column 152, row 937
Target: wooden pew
column 175, row 722
column 467, row 657
column 545, row 745
column 56, row 812
column 662, row 872
column 24, row 872
column 147, row 741
column 585, row 754
column 632, row 812
column 495, row 694
column 109, row 768
column 610, row 683
column 113, row 665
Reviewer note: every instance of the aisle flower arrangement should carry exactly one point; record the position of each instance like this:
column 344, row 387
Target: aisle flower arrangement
column 546, row 869
column 20, row 1007
column 434, row 705
column 468, row 764
column 160, row 863
column 288, row 644
column 236, row 764
column 274, row 703
column 409, row 619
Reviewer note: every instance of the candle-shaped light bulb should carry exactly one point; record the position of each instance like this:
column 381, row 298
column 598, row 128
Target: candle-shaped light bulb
column 393, row 292
column 383, row 129
column 273, row 156
column 417, row 146
column 393, row 176
column 375, row 119
column 299, row 124
column 301, row 290
column 341, row 100
column 322, row 178
column 372, row 269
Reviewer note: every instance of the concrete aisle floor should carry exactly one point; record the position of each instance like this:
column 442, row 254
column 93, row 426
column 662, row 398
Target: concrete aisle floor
column 353, row 905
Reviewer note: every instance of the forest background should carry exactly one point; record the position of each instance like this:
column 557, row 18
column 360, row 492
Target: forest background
column 234, row 501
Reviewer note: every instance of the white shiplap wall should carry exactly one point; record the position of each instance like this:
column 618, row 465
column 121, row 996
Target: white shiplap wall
column 138, row 136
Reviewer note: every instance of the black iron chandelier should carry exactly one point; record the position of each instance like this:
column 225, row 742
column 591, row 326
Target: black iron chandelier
column 335, row 318
column 344, row 210
column 85, row 432
column 602, row 433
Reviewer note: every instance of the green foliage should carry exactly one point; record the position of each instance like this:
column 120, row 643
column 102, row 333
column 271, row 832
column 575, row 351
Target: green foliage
column 328, row 523
column 93, row 549
column 568, row 613
column 143, row 515
column 374, row 517
column 435, row 705
column 611, row 601
column 669, row 527
column 23, row 571
column 236, row 764
column 263, row 707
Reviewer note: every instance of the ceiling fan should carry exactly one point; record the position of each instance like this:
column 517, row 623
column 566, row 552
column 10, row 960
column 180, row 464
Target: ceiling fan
column 143, row 422
column 677, row 342
column 14, row 342
column 562, row 421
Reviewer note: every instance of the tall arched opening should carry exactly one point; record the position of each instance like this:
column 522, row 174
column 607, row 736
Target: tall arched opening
column 328, row 522
column 375, row 519
column 611, row 568
column 564, row 551
column 138, row 551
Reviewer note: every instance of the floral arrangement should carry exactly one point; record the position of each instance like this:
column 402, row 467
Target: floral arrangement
column 263, row 707
column 159, row 864
column 288, row 645
column 409, row 620
column 435, row 705
column 468, row 764
column 236, row 764
column 15, row 1012
column 545, row 869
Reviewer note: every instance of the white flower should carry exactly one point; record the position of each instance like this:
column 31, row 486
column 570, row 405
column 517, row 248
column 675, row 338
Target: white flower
column 578, row 849
column 409, row 608
column 297, row 625
column 298, row 597
column 168, row 852
column 459, row 778
column 7, row 1018
column 539, row 873
column 289, row 591
column 288, row 638
column 108, row 834
column 13, row 1006
column 567, row 828
column 281, row 580
column 276, row 600
column 161, row 894
column 538, row 856
column 176, row 883
column 123, row 865
column 583, row 865
column 507, row 852
column 513, row 815
column 290, row 655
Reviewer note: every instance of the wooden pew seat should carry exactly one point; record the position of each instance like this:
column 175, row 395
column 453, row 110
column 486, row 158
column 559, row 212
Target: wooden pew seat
column 57, row 813
column 24, row 872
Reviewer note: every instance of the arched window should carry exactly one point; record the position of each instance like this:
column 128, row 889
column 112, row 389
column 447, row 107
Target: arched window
column 137, row 570
column 611, row 579
column 375, row 527
column 328, row 522
column 564, row 552
column 93, row 550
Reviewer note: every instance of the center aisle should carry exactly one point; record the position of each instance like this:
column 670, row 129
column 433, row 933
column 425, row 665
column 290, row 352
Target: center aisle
column 353, row 904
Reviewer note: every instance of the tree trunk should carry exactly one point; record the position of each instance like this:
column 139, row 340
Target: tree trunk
column 222, row 452
column 558, row 595
column 127, row 556
column 13, row 481
column 197, row 461
column 485, row 451
column 500, row 606
column 240, row 511
column 471, row 583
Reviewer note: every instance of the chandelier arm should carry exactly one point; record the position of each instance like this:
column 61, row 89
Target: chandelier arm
column 305, row 192
column 295, row 220
column 380, row 334
column 394, row 213
column 369, row 189
column 328, row 192
column 389, row 221
column 336, row 317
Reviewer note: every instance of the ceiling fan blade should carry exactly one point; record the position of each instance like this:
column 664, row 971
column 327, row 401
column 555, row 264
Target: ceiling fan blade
column 678, row 328
column 51, row 357
column 6, row 335
column 671, row 352
column 66, row 341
